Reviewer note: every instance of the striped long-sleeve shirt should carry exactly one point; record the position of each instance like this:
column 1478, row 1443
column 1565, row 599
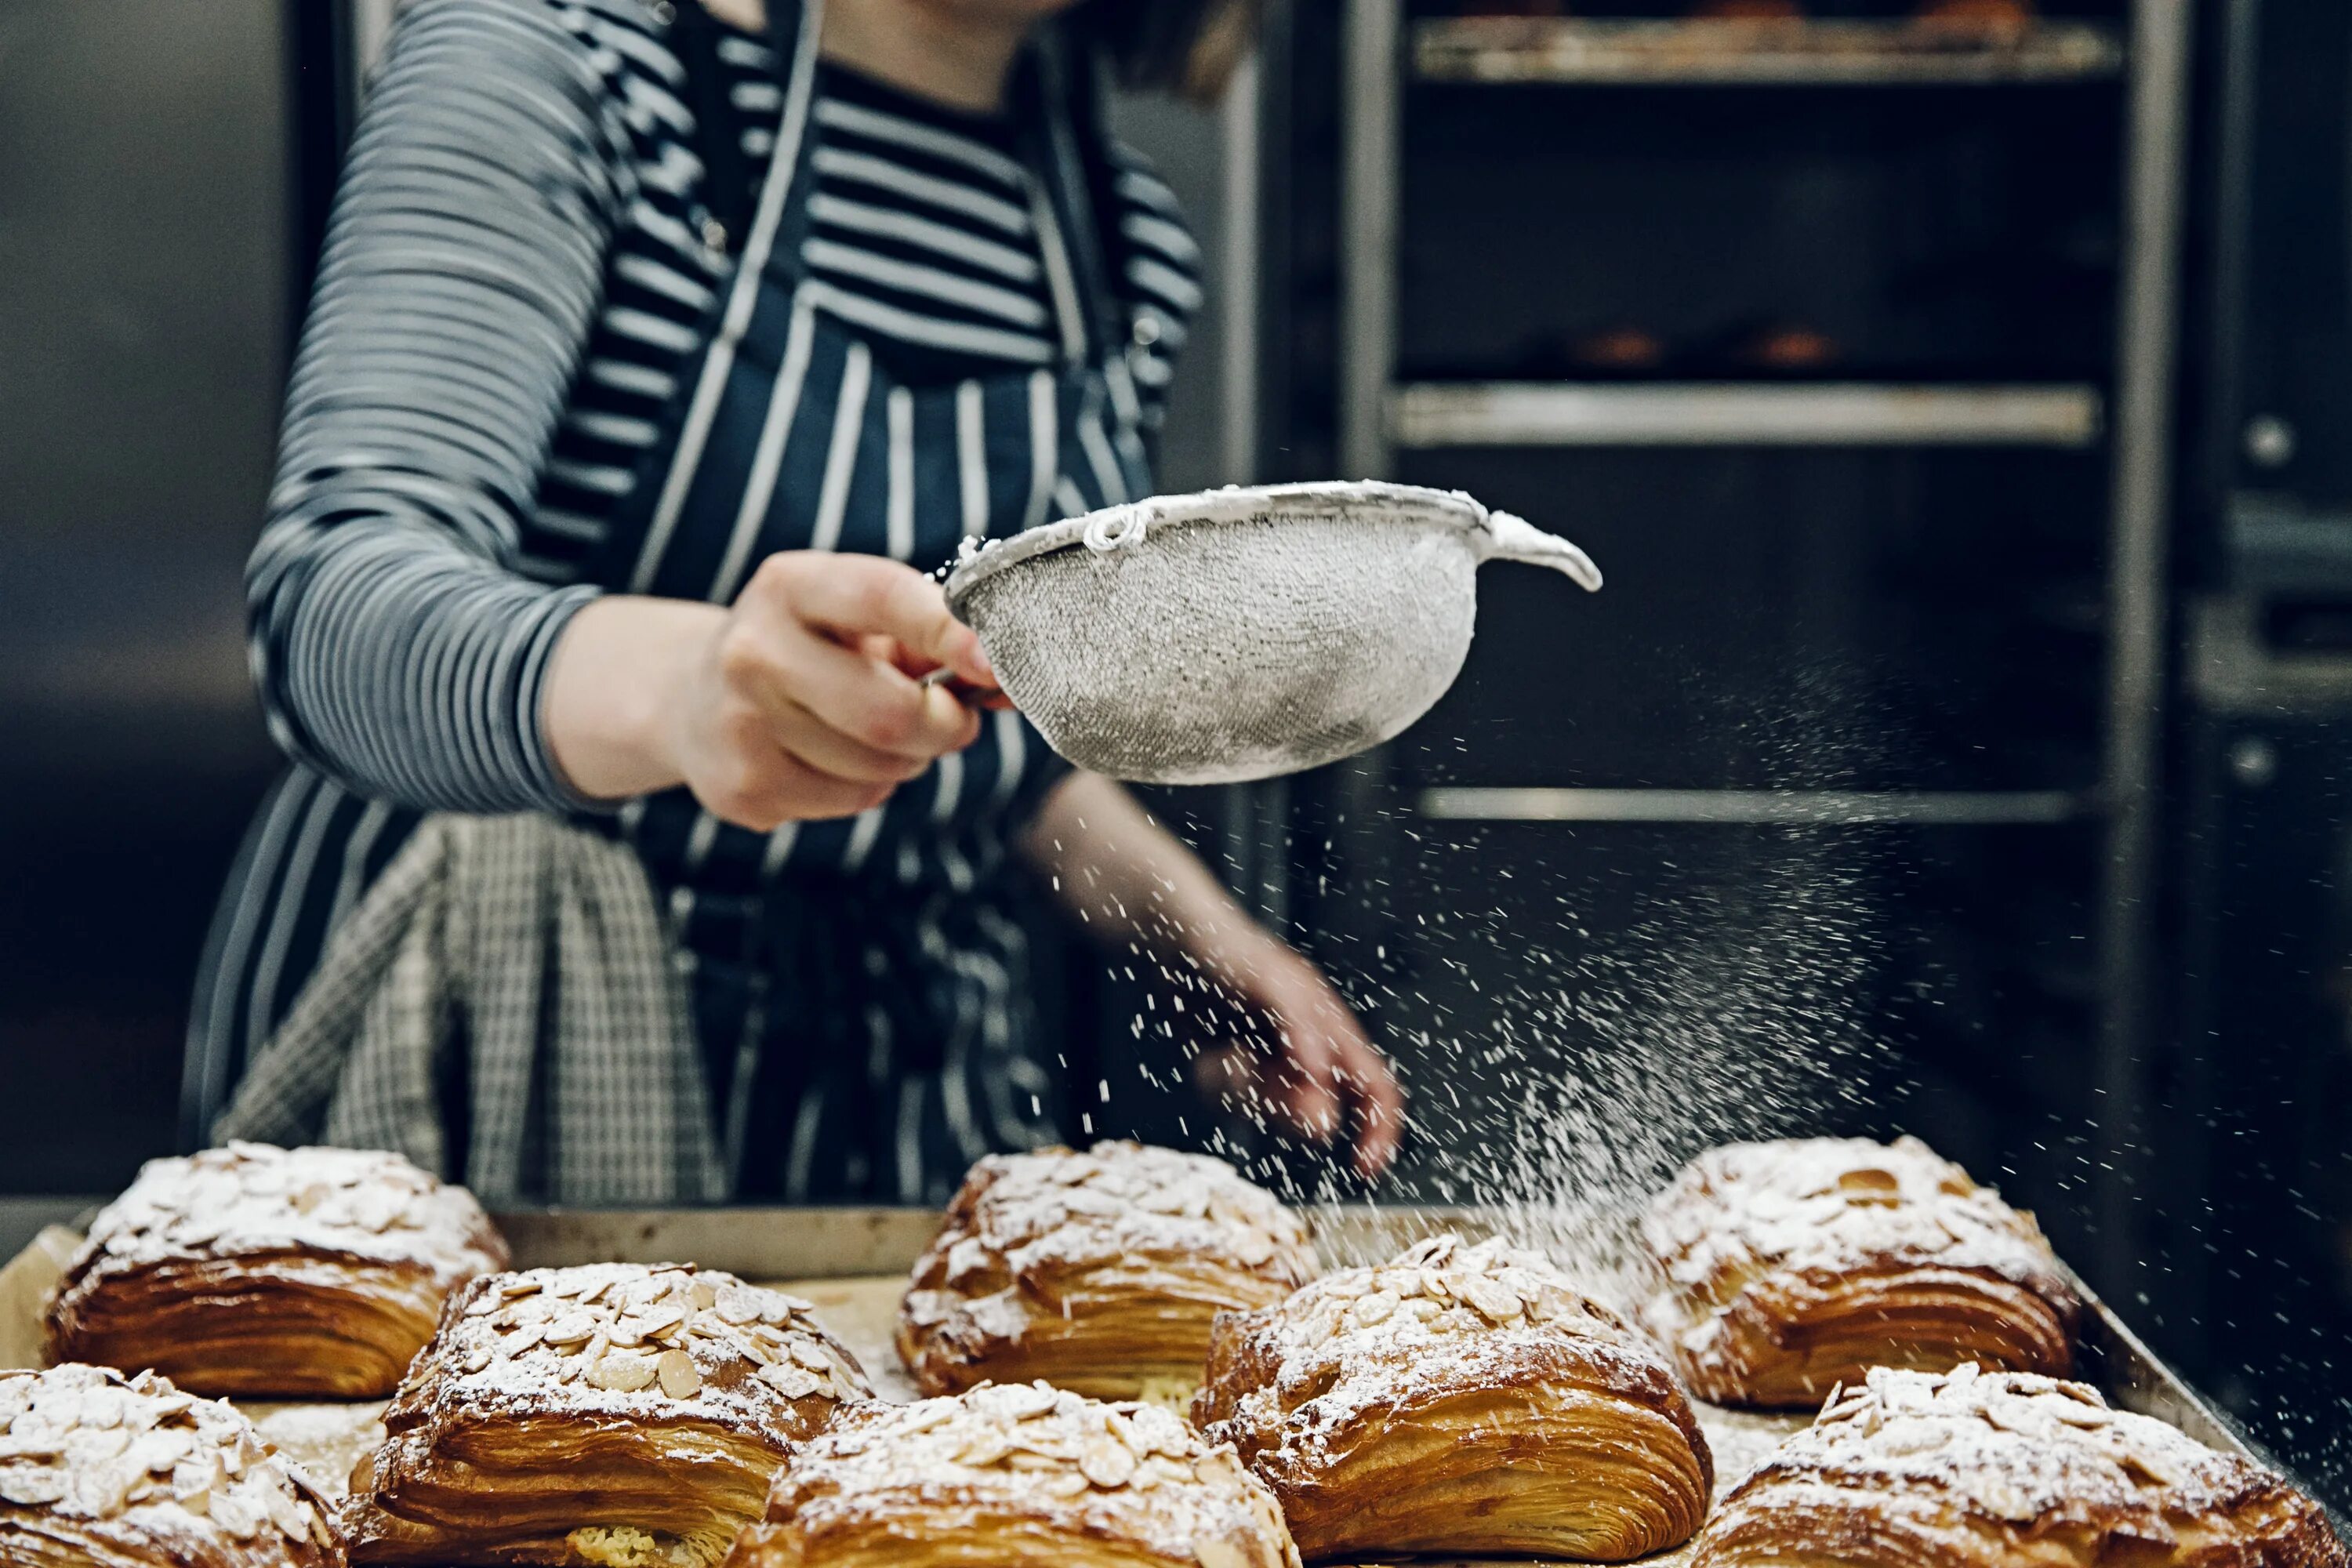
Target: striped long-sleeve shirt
column 519, row 265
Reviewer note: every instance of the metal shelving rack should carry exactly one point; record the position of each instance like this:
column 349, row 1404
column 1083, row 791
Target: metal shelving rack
column 1379, row 418
column 1759, row 52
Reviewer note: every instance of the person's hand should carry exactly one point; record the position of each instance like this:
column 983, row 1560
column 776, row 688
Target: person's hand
column 808, row 703
column 804, row 699
column 1304, row 1059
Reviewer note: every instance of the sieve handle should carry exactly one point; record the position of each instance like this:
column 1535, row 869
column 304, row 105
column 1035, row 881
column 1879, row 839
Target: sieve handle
column 1512, row 538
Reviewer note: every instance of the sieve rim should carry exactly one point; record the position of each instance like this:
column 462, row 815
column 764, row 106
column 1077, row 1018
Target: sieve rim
column 1371, row 500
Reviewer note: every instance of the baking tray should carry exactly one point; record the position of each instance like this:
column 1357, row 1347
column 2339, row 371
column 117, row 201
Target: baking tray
column 853, row 1263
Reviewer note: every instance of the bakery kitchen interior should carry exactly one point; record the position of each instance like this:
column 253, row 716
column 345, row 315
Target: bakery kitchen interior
column 741, row 750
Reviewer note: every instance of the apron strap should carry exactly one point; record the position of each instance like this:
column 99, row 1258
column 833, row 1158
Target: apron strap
column 727, row 175
column 1078, row 172
column 796, row 20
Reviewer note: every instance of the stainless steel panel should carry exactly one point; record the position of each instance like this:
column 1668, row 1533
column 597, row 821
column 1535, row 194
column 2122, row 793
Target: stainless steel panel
column 1529, row 414
column 144, row 235
column 2138, row 629
column 1800, row 808
column 1736, row 52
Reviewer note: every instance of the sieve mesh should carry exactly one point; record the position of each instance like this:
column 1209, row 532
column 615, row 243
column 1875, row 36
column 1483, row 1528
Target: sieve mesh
column 1239, row 634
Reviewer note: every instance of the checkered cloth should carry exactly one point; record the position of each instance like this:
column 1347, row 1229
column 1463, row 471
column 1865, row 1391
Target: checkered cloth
column 512, row 972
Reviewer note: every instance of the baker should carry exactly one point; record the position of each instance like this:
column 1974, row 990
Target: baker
column 627, row 855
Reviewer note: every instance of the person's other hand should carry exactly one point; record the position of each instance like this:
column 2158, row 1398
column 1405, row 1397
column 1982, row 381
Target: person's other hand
column 1306, row 1059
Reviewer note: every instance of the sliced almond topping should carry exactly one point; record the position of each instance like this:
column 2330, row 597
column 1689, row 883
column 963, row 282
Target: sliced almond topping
column 1495, row 1300
column 622, row 1371
column 32, row 1487
column 1217, row 1551
column 930, row 1413
column 571, row 1329
column 983, row 1448
column 679, row 1379
column 791, row 1382
column 1107, row 1463
column 660, row 1318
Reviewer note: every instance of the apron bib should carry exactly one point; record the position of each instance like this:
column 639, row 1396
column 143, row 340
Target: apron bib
column 860, row 986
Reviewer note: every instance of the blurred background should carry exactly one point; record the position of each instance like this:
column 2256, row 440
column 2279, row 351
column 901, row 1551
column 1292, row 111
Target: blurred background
column 1959, row 395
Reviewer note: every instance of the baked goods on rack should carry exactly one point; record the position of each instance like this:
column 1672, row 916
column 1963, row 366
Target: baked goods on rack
column 1788, row 1267
column 614, row 1414
column 100, row 1470
column 1460, row 1399
column 1097, row 1272
column 295, row 1273
column 1015, row 1473
column 1970, row 1470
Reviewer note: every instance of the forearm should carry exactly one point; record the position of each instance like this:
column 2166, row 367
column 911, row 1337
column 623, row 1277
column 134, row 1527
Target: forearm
column 614, row 688
column 396, row 646
column 1127, row 879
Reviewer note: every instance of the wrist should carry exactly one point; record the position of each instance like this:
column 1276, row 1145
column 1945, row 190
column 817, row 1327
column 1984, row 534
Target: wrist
column 619, row 679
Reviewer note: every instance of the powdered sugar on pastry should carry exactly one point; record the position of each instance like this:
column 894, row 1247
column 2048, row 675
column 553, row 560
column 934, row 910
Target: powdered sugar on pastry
column 250, row 1198
column 1023, row 1470
column 90, row 1459
column 1789, row 1266
column 2004, row 1467
column 617, row 1414
column 1100, row 1271
column 1458, row 1399
column 623, row 1339
column 1369, row 1341
column 1057, row 1209
column 1830, row 1202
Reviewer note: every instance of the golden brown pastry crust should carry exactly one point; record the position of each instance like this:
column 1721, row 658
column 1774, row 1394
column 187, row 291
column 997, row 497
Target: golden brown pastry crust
column 266, row 1272
column 1097, row 1272
column 1459, row 1399
column 559, row 1414
column 100, row 1471
column 2007, row 1470
column 1788, row 1267
column 1015, row 1473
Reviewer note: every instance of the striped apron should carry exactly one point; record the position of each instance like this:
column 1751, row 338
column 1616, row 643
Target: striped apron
column 859, row 990
column 861, row 987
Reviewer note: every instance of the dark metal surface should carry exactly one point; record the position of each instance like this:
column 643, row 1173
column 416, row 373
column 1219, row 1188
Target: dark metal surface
column 143, row 198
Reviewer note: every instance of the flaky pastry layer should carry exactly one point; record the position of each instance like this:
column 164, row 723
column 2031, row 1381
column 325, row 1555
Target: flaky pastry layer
column 1463, row 1400
column 265, row 1272
column 1015, row 1473
column 1788, row 1267
column 1100, row 1272
column 2007, row 1470
column 612, row 1415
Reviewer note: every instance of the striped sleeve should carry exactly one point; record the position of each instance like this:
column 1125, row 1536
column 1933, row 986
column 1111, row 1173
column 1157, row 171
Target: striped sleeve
column 396, row 647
